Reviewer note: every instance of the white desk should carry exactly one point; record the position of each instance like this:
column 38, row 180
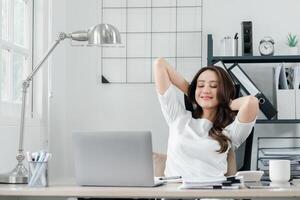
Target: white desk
column 166, row 191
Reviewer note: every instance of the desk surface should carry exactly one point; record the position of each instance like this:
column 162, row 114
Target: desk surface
column 165, row 191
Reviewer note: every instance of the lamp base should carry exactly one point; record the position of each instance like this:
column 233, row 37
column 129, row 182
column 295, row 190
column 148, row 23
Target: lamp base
column 18, row 175
column 13, row 179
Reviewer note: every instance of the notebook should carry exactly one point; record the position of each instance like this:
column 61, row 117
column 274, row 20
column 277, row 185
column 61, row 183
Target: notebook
column 114, row 158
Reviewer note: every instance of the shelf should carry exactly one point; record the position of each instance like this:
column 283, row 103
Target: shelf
column 277, row 121
column 256, row 59
column 253, row 59
column 148, row 7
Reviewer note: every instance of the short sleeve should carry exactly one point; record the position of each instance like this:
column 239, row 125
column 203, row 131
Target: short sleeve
column 171, row 106
column 238, row 131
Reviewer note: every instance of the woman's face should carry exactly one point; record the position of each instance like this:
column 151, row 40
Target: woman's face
column 206, row 90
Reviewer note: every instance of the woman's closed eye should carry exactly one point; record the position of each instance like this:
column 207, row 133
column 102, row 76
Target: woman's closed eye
column 211, row 85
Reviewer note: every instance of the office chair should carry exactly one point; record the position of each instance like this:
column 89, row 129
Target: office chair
column 159, row 163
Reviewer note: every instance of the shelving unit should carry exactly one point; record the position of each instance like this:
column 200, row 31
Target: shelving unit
column 277, row 121
column 253, row 59
column 256, row 59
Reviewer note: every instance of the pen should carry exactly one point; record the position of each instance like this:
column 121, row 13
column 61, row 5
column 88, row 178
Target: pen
column 169, row 177
column 236, row 36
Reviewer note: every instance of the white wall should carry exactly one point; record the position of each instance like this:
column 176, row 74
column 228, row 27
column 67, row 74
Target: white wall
column 81, row 102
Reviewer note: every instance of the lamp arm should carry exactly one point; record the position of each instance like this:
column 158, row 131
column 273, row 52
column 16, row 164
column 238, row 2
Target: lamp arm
column 60, row 37
column 25, row 85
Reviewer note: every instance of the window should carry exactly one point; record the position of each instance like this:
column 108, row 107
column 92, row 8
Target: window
column 15, row 53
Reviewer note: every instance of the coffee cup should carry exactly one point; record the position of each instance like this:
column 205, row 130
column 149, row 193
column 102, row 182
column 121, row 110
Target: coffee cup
column 280, row 170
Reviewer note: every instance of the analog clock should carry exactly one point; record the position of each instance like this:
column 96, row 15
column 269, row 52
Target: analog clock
column 266, row 46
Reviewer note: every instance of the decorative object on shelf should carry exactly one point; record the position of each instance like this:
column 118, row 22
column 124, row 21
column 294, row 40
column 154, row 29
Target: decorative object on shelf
column 103, row 35
column 292, row 42
column 247, row 44
column 266, row 46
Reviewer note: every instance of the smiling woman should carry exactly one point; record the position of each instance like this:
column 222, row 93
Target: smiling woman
column 199, row 141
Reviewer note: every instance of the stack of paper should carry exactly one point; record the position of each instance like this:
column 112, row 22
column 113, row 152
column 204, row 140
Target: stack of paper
column 233, row 182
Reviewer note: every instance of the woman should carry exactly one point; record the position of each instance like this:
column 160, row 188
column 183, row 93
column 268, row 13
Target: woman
column 199, row 142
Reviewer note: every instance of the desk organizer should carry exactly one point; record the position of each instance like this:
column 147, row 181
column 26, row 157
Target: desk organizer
column 38, row 174
column 285, row 148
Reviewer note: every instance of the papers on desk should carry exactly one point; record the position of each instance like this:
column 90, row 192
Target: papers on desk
column 233, row 182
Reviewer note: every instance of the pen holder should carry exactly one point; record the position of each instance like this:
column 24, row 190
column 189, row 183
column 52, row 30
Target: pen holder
column 227, row 46
column 38, row 174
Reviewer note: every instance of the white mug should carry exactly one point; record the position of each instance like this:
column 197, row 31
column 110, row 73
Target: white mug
column 280, row 170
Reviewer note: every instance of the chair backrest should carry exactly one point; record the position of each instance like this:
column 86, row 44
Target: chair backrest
column 231, row 163
column 159, row 161
column 244, row 153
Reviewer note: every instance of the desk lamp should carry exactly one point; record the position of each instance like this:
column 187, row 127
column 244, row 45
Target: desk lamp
column 99, row 35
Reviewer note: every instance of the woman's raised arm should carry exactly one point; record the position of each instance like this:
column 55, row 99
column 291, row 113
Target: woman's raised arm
column 247, row 107
column 164, row 75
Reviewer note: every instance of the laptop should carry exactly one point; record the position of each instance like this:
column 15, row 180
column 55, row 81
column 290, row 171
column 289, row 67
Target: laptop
column 114, row 158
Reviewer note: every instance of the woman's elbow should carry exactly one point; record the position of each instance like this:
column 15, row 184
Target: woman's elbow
column 159, row 63
column 253, row 103
column 159, row 67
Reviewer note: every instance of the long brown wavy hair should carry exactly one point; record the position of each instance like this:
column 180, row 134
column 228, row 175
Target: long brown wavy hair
column 224, row 115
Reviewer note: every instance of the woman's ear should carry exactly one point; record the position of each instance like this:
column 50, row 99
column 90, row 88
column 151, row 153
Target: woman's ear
column 194, row 106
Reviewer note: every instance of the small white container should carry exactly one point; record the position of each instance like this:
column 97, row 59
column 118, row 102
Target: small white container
column 293, row 50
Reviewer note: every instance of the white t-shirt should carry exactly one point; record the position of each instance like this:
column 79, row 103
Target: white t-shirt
column 192, row 153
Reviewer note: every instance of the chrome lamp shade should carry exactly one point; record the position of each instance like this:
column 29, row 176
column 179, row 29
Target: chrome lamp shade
column 103, row 34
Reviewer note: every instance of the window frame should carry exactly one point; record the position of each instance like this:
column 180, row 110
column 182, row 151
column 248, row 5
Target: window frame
column 13, row 117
